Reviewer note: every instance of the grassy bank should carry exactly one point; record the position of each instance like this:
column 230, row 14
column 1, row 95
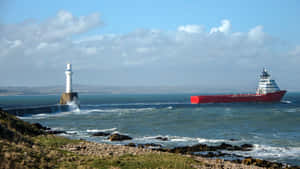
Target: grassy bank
column 23, row 145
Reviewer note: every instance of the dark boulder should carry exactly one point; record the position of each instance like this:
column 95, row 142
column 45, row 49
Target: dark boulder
column 41, row 127
column 204, row 147
column 56, row 132
column 118, row 137
column 261, row 163
column 224, row 146
column 149, row 145
column 162, row 138
column 100, row 134
column 131, row 145
column 246, row 147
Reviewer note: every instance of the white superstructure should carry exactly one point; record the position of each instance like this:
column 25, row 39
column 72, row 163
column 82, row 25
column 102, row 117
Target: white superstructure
column 266, row 84
column 69, row 78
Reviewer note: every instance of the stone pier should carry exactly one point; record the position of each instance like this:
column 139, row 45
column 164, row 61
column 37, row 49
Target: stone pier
column 69, row 97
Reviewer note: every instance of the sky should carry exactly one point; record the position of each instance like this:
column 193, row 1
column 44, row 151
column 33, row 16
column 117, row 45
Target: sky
column 221, row 44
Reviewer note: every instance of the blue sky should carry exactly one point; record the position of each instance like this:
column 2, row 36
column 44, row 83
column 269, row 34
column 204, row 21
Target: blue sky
column 279, row 18
column 178, row 43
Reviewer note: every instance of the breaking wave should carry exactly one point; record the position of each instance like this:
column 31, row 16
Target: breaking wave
column 100, row 130
column 272, row 152
column 116, row 110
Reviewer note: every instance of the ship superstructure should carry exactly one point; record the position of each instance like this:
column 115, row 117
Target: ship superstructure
column 266, row 84
column 267, row 91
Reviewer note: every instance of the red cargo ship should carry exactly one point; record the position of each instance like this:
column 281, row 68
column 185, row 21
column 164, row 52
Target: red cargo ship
column 267, row 91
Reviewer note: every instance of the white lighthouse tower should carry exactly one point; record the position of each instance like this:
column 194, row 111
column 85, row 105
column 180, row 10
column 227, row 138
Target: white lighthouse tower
column 69, row 96
column 69, row 73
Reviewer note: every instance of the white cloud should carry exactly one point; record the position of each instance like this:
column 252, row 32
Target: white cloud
column 257, row 33
column 191, row 28
column 224, row 28
column 16, row 43
column 188, row 55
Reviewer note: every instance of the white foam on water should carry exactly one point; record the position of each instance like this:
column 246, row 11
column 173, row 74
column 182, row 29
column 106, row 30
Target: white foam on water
column 271, row 152
column 44, row 116
column 196, row 139
column 138, row 104
column 286, row 101
column 73, row 106
column 71, row 132
column 183, row 139
column 116, row 110
column 100, row 130
column 58, row 128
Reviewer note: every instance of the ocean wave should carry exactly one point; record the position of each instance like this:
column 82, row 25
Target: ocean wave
column 77, row 111
column 272, row 152
column 44, row 115
column 286, row 101
column 117, row 110
column 100, row 130
column 134, row 104
column 184, row 139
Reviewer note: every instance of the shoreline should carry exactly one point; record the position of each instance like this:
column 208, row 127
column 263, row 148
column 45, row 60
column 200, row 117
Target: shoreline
column 29, row 146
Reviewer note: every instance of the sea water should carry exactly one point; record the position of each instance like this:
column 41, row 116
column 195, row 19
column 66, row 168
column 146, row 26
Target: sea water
column 273, row 128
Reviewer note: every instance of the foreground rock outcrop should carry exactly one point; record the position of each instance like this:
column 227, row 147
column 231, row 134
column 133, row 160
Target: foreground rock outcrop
column 118, row 137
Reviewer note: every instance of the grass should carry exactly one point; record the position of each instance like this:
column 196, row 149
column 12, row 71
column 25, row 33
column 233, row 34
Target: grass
column 22, row 145
column 164, row 160
column 54, row 141
column 48, row 154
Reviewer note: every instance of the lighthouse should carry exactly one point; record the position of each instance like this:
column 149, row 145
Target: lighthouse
column 69, row 96
column 69, row 73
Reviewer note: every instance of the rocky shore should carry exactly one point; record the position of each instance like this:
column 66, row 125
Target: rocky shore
column 24, row 145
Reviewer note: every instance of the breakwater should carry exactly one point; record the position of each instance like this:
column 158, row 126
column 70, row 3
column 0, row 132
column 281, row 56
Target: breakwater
column 31, row 110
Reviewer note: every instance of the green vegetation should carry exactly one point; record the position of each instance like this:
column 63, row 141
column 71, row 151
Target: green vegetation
column 23, row 145
column 146, row 161
column 54, row 141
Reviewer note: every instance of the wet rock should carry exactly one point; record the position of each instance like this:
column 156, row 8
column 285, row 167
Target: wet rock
column 204, row 147
column 56, row 132
column 131, row 145
column 119, row 137
column 162, row 138
column 101, row 134
column 149, row 145
column 224, row 146
column 233, row 139
column 246, row 147
column 41, row 127
column 261, row 163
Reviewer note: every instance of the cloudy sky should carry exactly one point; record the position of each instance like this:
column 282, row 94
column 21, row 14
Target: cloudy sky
column 137, row 43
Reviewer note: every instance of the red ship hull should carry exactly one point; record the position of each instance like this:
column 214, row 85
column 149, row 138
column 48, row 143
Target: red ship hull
column 269, row 97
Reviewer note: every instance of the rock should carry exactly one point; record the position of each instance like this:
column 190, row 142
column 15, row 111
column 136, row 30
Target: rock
column 261, row 163
column 224, row 146
column 246, row 147
column 131, row 145
column 101, row 134
column 119, row 137
column 204, row 147
column 162, row 138
column 56, row 132
column 41, row 127
column 147, row 145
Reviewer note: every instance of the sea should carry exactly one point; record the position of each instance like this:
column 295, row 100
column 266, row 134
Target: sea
column 273, row 128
